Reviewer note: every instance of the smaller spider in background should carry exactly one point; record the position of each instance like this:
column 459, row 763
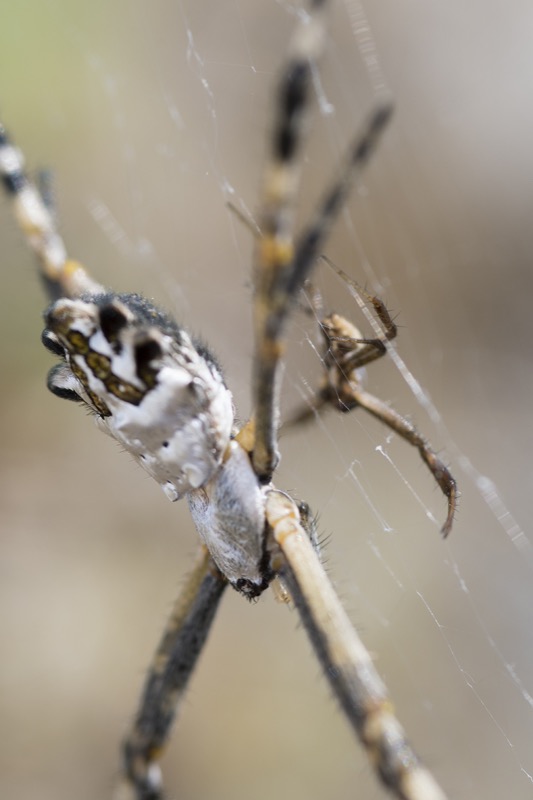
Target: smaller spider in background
column 161, row 394
column 346, row 351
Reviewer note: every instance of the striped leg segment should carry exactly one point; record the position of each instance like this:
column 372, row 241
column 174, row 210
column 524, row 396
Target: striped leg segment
column 282, row 265
column 275, row 248
column 344, row 658
column 61, row 276
column 173, row 663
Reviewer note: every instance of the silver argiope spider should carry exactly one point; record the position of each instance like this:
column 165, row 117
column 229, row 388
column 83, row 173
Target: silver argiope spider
column 162, row 396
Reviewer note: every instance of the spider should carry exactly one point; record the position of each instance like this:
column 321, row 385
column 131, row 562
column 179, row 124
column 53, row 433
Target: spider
column 161, row 394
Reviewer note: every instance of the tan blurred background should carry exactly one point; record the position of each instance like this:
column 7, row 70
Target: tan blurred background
column 147, row 113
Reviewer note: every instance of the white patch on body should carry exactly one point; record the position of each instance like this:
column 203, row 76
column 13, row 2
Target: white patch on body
column 181, row 428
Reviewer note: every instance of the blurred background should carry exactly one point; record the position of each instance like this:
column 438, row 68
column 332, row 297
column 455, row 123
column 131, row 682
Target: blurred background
column 150, row 115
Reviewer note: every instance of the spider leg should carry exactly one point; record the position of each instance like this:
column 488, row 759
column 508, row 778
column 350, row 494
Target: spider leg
column 281, row 265
column 407, row 431
column 275, row 247
column 62, row 277
column 350, row 395
column 371, row 349
column 382, row 312
column 344, row 658
column 314, row 235
column 173, row 663
column 353, row 396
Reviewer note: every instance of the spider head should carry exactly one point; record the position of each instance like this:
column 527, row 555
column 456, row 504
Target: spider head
column 150, row 385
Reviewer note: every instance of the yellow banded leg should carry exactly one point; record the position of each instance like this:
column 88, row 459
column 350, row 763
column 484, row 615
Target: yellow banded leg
column 174, row 661
column 344, row 658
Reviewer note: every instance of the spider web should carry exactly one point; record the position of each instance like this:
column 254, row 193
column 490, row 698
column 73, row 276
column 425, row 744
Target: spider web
column 152, row 118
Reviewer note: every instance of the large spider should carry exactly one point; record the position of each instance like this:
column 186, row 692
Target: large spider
column 161, row 394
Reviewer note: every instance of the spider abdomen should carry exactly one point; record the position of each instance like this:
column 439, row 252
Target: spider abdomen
column 149, row 385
